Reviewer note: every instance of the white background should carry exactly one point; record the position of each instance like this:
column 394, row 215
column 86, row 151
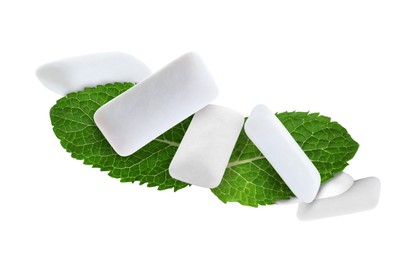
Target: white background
column 354, row 61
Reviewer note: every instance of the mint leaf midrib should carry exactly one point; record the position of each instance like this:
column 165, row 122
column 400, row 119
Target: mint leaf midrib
column 236, row 163
column 167, row 142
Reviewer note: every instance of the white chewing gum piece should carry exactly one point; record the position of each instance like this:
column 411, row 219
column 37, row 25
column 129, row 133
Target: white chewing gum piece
column 363, row 195
column 147, row 110
column 337, row 185
column 285, row 155
column 206, row 148
column 76, row 73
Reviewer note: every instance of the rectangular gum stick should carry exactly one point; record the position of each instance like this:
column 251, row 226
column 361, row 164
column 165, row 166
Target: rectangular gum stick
column 74, row 74
column 205, row 150
column 147, row 110
column 278, row 146
column 363, row 195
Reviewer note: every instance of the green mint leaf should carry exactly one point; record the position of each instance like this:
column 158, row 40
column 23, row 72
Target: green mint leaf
column 73, row 124
column 251, row 180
